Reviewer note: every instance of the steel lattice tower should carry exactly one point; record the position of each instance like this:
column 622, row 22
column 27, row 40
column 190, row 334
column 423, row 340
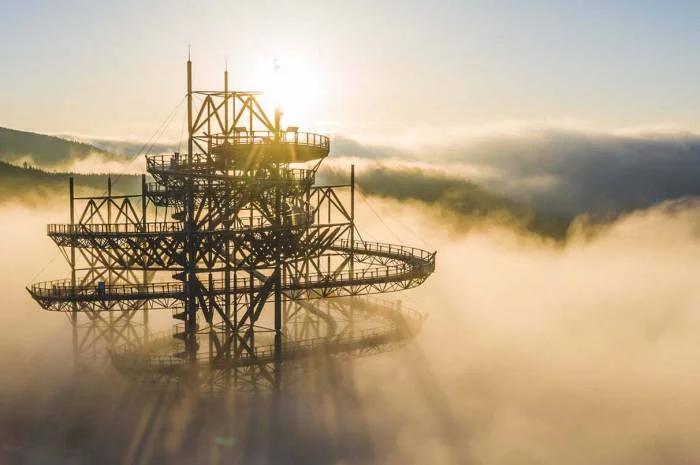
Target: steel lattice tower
column 237, row 240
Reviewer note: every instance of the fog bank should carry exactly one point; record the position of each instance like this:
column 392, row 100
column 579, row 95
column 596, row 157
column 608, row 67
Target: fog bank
column 565, row 171
column 532, row 353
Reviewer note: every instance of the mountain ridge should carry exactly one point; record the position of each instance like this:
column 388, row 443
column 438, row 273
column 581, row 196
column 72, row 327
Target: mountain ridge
column 46, row 151
column 34, row 186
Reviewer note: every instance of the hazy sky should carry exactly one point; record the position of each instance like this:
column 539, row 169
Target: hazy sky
column 117, row 68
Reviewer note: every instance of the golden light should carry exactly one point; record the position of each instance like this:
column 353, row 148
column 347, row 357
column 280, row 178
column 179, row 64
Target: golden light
column 294, row 86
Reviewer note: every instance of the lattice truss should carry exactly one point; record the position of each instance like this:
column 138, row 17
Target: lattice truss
column 239, row 243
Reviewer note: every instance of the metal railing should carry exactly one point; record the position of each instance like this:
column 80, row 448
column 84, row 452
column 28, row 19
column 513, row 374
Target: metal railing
column 202, row 162
column 239, row 224
column 114, row 228
column 308, row 139
column 416, row 263
column 64, row 288
column 384, row 248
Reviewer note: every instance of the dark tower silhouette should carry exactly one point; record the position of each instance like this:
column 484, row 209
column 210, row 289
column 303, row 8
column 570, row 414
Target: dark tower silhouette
column 240, row 243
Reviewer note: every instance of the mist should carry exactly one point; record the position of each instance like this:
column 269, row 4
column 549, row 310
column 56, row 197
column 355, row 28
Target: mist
column 562, row 170
column 540, row 176
column 533, row 353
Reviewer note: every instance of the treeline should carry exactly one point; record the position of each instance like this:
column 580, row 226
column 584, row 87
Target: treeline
column 45, row 151
column 30, row 185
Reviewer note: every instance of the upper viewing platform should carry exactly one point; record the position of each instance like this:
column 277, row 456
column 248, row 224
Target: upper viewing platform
column 284, row 146
column 236, row 133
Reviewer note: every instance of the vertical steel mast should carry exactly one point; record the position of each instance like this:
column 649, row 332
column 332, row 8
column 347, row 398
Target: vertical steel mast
column 190, row 278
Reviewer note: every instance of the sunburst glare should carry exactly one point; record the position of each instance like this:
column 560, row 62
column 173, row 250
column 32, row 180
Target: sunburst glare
column 292, row 84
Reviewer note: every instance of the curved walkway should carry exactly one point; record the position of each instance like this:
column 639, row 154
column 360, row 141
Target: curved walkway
column 412, row 268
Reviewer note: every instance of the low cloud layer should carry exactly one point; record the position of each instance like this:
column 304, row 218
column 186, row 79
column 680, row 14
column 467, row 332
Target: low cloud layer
column 532, row 353
column 561, row 171
column 450, row 199
column 30, row 186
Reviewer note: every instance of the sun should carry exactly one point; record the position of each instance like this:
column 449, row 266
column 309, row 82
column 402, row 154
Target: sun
column 294, row 86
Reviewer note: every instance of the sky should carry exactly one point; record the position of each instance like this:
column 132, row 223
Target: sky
column 117, row 69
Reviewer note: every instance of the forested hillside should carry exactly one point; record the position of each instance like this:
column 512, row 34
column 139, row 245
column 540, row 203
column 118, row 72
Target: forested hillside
column 32, row 185
column 44, row 151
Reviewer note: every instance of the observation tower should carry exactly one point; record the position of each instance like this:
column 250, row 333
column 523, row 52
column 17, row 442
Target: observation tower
column 259, row 265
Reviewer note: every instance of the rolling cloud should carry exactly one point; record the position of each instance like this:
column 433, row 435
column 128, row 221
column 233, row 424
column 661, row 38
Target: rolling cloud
column 562, row 171
column 531, row 354
column 536, row 177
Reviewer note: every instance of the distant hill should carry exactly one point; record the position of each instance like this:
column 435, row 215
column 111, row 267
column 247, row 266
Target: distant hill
column 34, row 186
column 44, row 151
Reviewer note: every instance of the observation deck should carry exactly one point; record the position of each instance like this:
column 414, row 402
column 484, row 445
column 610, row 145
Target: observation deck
column 387, row 268
column 162, row 245
column 212, row 168
column 62, row 232
column 249, row 148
